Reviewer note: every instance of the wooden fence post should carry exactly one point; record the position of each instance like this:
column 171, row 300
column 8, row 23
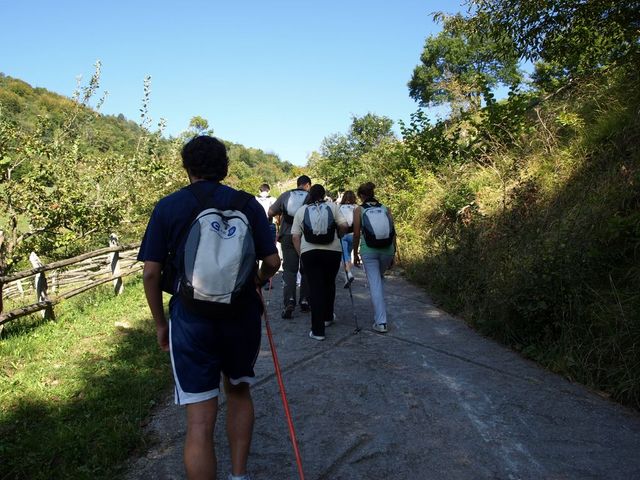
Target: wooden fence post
column 114, row 259
column 40, row 284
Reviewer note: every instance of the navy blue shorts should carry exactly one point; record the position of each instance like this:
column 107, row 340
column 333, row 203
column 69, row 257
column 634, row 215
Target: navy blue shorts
column 202, row 348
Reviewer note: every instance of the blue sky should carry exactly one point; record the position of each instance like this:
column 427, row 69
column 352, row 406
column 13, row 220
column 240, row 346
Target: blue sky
column 275, row 75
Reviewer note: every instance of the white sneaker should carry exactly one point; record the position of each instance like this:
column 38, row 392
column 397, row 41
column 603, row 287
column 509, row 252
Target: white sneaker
column 316, row 337
column 246, row 476
column 380, row 328
column 349, row 278
column 326, row 324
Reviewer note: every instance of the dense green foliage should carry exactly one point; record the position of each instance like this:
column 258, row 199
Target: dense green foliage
column 458, row 65
column 523, row 215
column 69, row 176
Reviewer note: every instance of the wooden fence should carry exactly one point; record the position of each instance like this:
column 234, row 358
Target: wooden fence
column 50, row 284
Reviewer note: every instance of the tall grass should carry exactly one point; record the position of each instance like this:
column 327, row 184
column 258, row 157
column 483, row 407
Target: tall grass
column 75, row 391
column 546, row 257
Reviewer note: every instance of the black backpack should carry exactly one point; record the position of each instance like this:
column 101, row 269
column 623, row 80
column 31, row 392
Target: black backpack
column 319, row 225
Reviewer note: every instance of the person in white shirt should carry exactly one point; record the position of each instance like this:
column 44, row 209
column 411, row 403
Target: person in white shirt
column 315, row 238
column 265, row 199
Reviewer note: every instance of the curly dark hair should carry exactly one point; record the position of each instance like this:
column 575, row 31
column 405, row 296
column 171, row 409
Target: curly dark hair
column 205, row 157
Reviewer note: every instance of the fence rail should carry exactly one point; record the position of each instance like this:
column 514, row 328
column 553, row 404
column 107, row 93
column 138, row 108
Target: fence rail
column 56, row 281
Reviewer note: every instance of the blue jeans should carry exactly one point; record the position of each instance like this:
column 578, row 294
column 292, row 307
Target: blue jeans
column 375, row 264
column 347, row 246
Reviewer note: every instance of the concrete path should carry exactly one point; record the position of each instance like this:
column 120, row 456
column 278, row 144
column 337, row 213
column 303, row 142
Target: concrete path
column 431, row 399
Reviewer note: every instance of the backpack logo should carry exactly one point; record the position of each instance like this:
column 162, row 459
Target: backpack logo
column 224, row 230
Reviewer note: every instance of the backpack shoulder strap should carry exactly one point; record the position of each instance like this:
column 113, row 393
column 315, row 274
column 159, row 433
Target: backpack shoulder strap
column 371, row 204
column 240, row 200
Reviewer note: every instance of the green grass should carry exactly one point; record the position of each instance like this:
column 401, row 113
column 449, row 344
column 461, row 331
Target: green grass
column 74, row 392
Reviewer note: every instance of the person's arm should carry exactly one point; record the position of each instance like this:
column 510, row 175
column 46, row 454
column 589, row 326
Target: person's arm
column 356, row 236
column 296, row 238
column 269, row 267
column 151, row 277
column 269, row 216
column 296, row 230
column 276, row 208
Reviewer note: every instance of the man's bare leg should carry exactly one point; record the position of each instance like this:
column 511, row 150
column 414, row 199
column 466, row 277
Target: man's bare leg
column 240, row 418
column 199, row 450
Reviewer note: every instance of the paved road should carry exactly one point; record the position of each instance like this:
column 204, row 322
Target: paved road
column 431, row 399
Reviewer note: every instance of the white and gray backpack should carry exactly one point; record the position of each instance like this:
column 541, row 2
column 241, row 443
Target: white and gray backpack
column 319, row 225
column 295, row 200
column 377, row 225
column 347, row 210
column 217, row 258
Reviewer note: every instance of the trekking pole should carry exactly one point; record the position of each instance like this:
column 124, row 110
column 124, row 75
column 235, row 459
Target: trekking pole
column 353, row 308
column 283, row 394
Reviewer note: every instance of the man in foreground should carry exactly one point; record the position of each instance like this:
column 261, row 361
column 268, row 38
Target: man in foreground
column 223, row 340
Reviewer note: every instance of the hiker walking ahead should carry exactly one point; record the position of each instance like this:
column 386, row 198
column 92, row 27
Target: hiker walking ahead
column 374, row 241
column 315, row 237
column 215, row 308
column 347, row 207
column 286, row 205
column 265, row 199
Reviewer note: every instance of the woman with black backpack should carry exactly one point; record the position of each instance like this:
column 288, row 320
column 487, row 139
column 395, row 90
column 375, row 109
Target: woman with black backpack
column 374, row 242
column 315, row 236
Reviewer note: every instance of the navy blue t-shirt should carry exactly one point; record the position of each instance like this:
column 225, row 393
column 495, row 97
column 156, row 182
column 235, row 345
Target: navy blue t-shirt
column 174, row 213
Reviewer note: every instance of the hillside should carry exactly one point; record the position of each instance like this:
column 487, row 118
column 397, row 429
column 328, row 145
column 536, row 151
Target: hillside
column 113, row 134
column 71, row 175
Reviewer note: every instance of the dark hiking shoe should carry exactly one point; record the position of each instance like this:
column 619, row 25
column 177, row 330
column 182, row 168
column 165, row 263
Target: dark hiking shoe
column 304, row 306
column 287, row 312
column 349, row 276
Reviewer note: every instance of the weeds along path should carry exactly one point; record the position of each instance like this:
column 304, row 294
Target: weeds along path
column 430, row 399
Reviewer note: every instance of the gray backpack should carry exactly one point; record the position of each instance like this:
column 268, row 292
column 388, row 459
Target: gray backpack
column 217, row 259
column 295, row 200
column 377, row 226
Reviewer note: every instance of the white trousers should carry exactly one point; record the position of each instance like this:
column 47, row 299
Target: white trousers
column 375, row 264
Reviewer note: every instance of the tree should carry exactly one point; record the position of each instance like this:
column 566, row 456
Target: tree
column 339, row 161
column 369, row 131
column 579, row 36
column 200, row 126
column 460, row 64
